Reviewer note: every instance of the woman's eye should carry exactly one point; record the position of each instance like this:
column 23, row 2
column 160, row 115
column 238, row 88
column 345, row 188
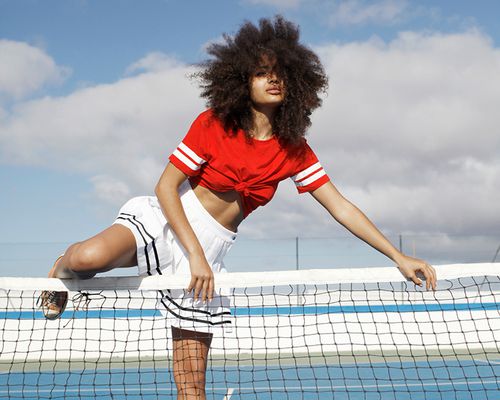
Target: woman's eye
column 261, row 73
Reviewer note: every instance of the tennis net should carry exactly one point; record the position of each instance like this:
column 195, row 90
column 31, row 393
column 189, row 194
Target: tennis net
column 342, row 334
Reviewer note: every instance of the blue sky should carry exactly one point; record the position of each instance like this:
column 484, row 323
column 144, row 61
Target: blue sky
column 95, row 96
column 99, row 39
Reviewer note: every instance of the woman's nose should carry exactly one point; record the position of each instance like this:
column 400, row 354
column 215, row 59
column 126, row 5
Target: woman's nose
column 272, row 78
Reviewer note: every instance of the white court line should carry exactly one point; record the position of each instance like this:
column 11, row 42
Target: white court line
column 487, row 362
column 228, row 394
column 259, row 388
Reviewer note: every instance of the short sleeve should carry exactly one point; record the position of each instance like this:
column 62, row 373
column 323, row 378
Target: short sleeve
column 310, row 174
column 193, row 151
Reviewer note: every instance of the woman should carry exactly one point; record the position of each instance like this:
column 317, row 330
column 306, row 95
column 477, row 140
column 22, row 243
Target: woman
column 261, row 86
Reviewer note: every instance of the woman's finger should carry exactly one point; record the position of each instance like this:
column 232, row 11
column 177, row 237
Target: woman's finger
column 430, row 276
column 204, row 287
column 415, row 279
column 191, row 284
column 198, row 289
column 434, row 275
column 211, row 285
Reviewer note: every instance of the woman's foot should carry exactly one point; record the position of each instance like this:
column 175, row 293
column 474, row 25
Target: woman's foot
column 51, row 302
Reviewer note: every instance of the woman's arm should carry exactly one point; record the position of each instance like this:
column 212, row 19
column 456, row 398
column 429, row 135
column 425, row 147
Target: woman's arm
column 202, row 277
column 356, row 222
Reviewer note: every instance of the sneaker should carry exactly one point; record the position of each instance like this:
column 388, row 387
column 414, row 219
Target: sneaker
column 53, row 303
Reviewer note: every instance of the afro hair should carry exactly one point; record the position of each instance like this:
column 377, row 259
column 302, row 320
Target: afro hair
column 224, row 78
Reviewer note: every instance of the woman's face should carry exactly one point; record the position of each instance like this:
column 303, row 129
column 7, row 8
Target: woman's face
column 266, row 88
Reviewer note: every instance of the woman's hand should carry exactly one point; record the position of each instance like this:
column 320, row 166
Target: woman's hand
column 202, row 278
column 410, row 267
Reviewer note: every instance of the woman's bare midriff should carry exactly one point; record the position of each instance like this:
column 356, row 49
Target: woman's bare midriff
column 225, row 207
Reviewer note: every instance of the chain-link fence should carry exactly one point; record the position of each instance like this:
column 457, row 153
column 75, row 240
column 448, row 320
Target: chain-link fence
column 35, row 259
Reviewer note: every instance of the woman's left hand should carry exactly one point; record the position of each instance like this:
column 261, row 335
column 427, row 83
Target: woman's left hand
column 410, row 267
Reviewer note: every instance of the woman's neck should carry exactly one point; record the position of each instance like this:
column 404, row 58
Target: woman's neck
column 262, row 123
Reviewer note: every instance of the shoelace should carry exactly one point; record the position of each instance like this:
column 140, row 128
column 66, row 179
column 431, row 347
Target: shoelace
column 81, row 300
column 46, row 298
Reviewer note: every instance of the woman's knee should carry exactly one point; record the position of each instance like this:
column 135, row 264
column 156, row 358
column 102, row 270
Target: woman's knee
column 190, row 370
column 86, row 257
column 189, row 382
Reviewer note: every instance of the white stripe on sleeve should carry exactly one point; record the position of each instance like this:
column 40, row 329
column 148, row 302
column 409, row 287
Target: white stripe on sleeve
column 195, row 157
column 312, row 178
column 306, row 172
column 191, row 165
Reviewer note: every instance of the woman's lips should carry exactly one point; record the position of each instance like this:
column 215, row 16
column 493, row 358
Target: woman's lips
column 274, row 91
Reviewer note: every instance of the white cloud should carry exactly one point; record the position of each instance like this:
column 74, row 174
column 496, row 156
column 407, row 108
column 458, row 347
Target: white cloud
column 110, row 189
column 357, row 12
column 153, row 62
column 276, row 3
column 409, row 132
column 124, row 130
column 24, row 69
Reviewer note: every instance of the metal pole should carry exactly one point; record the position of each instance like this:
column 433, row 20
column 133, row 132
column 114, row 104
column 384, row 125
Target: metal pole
column 496, row 254
column 402, row 283
column 297, row 253
column 297, row 264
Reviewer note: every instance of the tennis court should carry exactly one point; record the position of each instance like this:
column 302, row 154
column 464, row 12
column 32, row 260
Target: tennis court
column 342, row 334
column 457, row 380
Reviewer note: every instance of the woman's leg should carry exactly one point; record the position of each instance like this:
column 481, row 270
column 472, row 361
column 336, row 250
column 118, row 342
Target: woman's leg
column 190, row 363
column 114, row 247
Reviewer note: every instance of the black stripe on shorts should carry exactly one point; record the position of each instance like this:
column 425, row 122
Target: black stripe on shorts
column 134, row 221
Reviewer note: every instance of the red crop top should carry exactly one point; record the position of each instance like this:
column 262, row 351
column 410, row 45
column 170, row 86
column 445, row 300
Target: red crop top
column 221, row 161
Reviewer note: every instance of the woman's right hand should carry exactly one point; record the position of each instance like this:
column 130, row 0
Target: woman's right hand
column 202, row 278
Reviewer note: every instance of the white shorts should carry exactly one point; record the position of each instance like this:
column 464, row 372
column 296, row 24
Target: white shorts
column 160, row 252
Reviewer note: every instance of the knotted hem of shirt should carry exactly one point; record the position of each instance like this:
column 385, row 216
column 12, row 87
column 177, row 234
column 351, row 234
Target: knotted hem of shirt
column 242, row 187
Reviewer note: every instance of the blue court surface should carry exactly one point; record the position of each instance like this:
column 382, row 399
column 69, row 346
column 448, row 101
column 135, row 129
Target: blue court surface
column 474, row 380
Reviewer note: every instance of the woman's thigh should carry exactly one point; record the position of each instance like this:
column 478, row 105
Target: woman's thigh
column 113, row 247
